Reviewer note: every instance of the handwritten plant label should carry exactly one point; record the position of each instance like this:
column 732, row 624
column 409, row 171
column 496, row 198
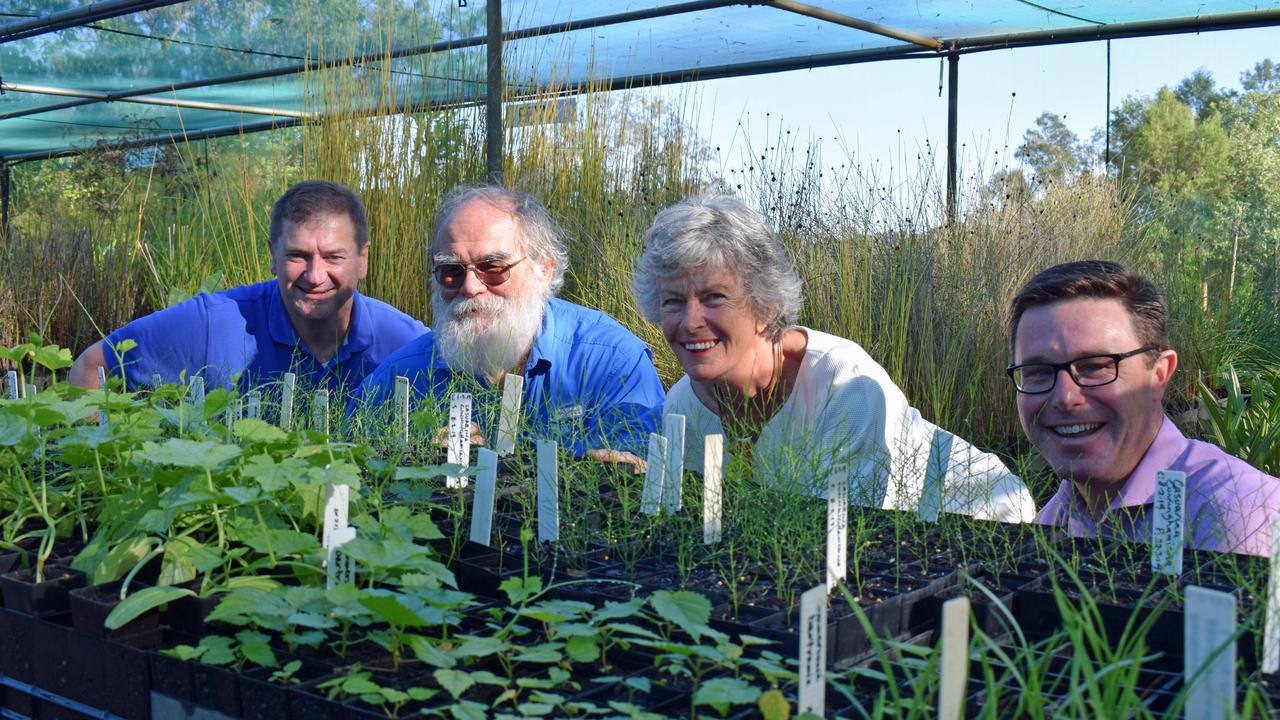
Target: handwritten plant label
column 286, row 401
column 1271, row 640
column 339, row 568
column 337, row 505
column 656, row 468
column 482, row 502
column 11, row 384
column 459, row 436
column 1209, row 669
column 402, row 408
column 254, row 401
column 1167, row 525
column 197, row 391
column 813, row 651
column 102, row 383
column 955, row 658
column 837, row 525
column 673, row 477
column 712, row 488
column 320, row 411
column 548, row 493
column 509, row 415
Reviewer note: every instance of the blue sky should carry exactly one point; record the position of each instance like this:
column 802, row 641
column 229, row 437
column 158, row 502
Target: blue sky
column 885, row 113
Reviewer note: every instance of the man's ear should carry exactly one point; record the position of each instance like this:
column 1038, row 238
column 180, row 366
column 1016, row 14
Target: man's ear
column 1164, row 367
column 363, row 259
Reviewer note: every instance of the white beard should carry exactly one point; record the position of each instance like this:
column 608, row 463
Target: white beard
column 486, row 335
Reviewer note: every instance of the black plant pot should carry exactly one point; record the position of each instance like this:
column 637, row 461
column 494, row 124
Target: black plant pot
column 16, row 560
column 84, row 668
column 216, row 688
column 171, row 676
column 309, row 703
column 49, row 653
column 15, row 645
column 40, row 599
column 262, row 698
column 126, row 676
column 187, row 614
column 91, row 605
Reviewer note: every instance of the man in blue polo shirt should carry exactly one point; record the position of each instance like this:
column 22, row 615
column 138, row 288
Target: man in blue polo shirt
column 310, row 320
column 497, row 261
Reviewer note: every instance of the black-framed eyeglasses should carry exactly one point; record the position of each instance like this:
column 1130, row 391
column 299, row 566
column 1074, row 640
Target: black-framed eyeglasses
column 1089, row 371
column 492, row 273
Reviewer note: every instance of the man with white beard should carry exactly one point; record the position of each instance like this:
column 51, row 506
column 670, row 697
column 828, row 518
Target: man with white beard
column 497, row 261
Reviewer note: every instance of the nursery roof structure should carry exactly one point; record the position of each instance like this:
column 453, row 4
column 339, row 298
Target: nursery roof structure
column 76, row 75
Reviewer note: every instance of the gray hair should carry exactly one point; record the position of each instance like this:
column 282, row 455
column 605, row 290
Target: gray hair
column 720, row 229
column 543, row 238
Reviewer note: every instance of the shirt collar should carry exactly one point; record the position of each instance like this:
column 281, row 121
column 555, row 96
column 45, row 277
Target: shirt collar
column 359, row 332
column 1140, row 487
column 543, row 348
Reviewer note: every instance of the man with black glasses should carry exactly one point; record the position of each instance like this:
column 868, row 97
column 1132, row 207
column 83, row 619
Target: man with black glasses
column 497, row 260
column 1091, row 361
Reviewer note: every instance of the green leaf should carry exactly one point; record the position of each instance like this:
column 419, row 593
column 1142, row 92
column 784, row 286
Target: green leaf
column 614, row 610
column 519, row 589
column 181, row 452
column 455, row 681
column 687, row 610
column 774, row 706
column 121, row 559
column 13, row 430
column 532, row 709
column 54, row 357
column 429, row 472
column 724, row 692
column 545, row 653
column 140, row 602
column 241, row 495
column 388, row 606
column 479, row 647
column 256, row 648
column 469, row 710
column 272, row 476
column 583, row 649
column 217, row 650
column 258, row 432
column 428, row 652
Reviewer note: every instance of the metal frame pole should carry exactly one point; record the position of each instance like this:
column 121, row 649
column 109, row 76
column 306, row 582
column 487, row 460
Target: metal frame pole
column 953, row 123
column 493, row 92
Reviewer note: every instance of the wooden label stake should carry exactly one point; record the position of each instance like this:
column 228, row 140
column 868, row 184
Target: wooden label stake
column 459, row 436
column 955, row 658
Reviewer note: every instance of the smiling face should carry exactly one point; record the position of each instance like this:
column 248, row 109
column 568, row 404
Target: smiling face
column 1094, row 436
column 713, row 330
column 318, row 266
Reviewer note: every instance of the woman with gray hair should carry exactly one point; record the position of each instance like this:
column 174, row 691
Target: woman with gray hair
column 715, row 277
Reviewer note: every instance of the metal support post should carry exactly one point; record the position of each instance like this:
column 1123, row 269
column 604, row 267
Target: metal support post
column 494, row 92
column 953, row 97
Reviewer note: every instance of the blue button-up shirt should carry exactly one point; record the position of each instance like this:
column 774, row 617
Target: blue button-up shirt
column 243, row 336
column 589, row 383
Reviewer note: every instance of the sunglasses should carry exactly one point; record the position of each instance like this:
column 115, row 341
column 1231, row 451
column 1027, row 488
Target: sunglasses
column 492, row 273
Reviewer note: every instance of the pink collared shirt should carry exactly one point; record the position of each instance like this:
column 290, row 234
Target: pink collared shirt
column 1230, row 503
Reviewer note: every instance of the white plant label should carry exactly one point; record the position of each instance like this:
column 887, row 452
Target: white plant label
column 459, row 435
column 813, row 651
column 11, row 384
column 31, row 390
column 955, row 658
column 1167, row 525
column 156, row 380
column 712, row 488
column 102, row 383
column 197, row 391
column 548, row 493
column 402, row 407
column 229, row 418
column 1209, row 623
column 254, row 410
column 656, row 467
column 482, row 501
column 339, row 568
column 673, row 477
column 837, row 525
column 320, row 411
column 286, row 401
column 337, row 504
column 509, row 415
column 1271, row 641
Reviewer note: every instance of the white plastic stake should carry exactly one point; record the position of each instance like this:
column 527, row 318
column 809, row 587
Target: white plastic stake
column 339, row 568
column 1271, row 640
column 320, row 411
column 156, row 380
column 712, row 488
column 102, row 383
column 955, row 658
column 254, row 410
column 402, row 407
column 286, row 401
column 337, row 504
column 651, row 495
column 459, row 435
column 509, row 416
column 837, row 525
column 31, row 390
column 548, row 493
column 813, row 651
column 197, row 391
column 11, row 384
column 1209, row 623
column 1167, row 526
column 229, row 416
column 482, row 502
column 673, row 478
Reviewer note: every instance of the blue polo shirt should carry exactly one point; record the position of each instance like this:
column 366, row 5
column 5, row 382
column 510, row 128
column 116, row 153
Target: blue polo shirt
column 589, row 384
column 243, row 336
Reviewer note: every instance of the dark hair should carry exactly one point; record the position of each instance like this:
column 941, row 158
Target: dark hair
column 311, row 199
column 543, row 239
column 1101, row 280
